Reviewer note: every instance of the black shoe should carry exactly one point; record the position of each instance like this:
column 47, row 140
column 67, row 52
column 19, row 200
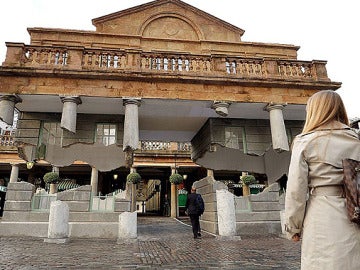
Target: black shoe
column 199, row 234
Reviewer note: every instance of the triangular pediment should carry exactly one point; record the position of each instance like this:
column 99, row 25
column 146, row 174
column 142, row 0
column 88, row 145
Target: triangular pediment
column 168, row 19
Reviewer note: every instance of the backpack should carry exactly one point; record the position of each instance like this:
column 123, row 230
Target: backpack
column 351, row 183
column 199, row 204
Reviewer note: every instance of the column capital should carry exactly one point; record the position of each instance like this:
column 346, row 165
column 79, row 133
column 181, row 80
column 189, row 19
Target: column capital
column 130, row 100
column 73, row 99
column 221, row 107
column 275, row 106
column 13, row 98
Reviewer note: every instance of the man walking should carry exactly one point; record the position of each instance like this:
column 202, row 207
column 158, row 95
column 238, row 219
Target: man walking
column 195, row 208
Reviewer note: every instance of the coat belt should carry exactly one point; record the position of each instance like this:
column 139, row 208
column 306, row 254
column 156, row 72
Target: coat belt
column 327, row 191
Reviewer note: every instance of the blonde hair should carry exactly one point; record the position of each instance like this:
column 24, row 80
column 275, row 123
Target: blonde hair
column 323, row 108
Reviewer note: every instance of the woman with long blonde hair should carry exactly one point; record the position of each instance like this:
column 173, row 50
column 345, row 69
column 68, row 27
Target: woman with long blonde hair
column 315, row 208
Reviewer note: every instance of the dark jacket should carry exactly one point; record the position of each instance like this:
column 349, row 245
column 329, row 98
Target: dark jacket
column 191, row 204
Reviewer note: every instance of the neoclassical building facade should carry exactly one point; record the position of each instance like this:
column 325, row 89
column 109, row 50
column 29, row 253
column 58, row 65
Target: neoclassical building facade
column 163, row 76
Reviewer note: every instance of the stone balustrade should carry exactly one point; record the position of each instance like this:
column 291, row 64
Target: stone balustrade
column 79, row 58
column 165, row 146
column 6, row 140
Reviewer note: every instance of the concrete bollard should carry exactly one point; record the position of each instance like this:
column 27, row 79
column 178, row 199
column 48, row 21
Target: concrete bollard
column 58, row 230
column 127, row 227
column 226, row 215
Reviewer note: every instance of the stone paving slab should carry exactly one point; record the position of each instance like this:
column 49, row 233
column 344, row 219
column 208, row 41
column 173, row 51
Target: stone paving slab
column 163, row 243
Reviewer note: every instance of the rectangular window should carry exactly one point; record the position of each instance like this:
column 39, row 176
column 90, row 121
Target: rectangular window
column 51, row 133
column 106, row 134
column 234, row 137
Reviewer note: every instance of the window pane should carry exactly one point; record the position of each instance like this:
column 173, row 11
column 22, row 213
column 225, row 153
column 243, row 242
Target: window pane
column 106, row 134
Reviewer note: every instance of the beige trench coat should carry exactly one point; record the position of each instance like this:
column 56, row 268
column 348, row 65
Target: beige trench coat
column 329, row 239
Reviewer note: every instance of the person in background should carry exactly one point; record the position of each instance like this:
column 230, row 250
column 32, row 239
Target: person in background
column 194, row 211
column 2, row 196
column 166, row 209
column 315, row 209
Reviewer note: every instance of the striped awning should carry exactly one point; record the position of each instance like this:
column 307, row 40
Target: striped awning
column 67, row 184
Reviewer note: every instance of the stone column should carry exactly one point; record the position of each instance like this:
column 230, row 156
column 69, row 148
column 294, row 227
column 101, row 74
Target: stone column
column 226, row 214
column 127, row 231
column 278, row 131
column 7, row 107
column 131, row 124
column 14, row 173
column 69, row 113
column 94, row 180
column 173, row 203
column 133, row 192
column 58, row 230
column 56, row 170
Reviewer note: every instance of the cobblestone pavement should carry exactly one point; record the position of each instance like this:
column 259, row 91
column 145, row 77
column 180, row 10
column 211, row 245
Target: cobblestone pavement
column 163, row 243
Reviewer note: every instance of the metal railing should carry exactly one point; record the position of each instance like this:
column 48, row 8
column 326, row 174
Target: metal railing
column 42, row 202
column 102, row 203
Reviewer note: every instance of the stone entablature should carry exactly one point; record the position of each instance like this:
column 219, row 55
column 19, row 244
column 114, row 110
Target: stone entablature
column 155, row 49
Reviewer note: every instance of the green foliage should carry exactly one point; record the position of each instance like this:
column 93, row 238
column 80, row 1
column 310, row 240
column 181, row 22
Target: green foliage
column 133, row 178
column 176, row 178
column 248, row 179
column 51, row 178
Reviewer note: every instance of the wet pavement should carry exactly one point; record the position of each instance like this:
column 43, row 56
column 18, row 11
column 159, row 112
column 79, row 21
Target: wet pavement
column 162, row 243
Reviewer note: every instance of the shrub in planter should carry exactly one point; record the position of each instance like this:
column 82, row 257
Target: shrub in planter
column 176, row 178
column 51, row 178
column 133, row 178
column 248, row 180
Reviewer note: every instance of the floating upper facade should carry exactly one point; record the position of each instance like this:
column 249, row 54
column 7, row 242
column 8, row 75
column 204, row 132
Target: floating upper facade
column 179, row 66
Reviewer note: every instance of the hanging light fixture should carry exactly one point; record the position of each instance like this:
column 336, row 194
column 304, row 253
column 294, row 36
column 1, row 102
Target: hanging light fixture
column 30, row 165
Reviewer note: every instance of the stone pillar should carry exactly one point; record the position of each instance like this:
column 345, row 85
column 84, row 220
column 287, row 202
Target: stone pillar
column 69, row 113
column 173, row 197
column 131, row 124
column 226, row 213
column 173, row 201
column 278, row 131
column 58, row 230
column 56, row 170
column 127, row 227
column 7, row 108
column 94, row 180
column 14, row 173
column 133, row 193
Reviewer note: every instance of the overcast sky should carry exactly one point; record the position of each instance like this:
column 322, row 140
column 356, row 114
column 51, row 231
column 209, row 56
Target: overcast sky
column 325, row 30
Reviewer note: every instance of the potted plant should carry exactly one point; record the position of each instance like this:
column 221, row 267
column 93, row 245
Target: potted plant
column 246, row 181
column 53, row 179
column 133, row 178
column 176, row 179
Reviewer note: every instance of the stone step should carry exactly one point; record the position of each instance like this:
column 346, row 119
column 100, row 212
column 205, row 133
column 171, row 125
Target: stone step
column 258, row 228
column 17, row 216
column 258, row 216
column 107, row 230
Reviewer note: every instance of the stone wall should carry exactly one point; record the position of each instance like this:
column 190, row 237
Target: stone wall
column 20, row 220
column 30, row 124
column 259, row 213
column 253, row 136
column 207, row 188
